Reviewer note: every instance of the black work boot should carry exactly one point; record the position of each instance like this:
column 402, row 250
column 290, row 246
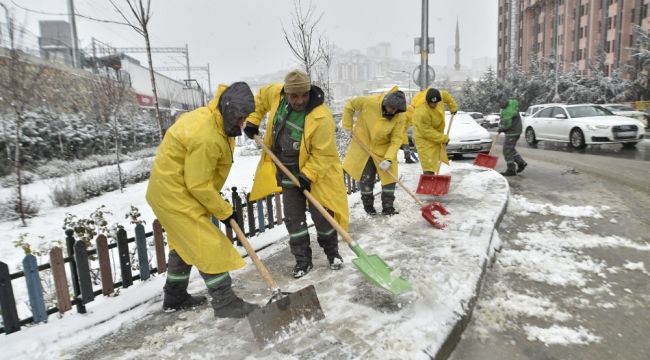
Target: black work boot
column 336, row 261
column 177, row 298
column 389, row 211
column 226, row 304
column 511, row 171
column 521, row 166
column 370, row 209
column 301, row 269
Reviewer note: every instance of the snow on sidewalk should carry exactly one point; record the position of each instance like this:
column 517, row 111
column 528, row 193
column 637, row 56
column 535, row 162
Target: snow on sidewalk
column 362, row 321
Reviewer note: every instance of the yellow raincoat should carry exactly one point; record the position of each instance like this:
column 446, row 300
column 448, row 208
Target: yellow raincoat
column 318, row 159
column 429, row 130
column 190, row 168
column 382, row 136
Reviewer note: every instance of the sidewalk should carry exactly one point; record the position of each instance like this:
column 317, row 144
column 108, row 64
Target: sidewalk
column 362, row 321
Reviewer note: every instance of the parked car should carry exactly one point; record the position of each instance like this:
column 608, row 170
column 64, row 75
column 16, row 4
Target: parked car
column 492, row 120
column 466, row 136
column 628, row 111
column 535, row 108
column 581, row 125
column 478, row 117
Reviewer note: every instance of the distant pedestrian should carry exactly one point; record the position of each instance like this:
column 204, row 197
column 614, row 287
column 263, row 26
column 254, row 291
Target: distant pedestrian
column 190, row 168
column 380, row 127
column 429, row 127
column 301, row 131
column 510, row 125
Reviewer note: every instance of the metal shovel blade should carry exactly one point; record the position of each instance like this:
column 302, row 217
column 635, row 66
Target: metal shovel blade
column 430, row 184
column 282, row 317
column 379, row 273
column 486, row 160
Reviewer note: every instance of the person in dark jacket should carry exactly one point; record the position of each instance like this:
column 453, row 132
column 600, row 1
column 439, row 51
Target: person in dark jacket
column 510, row 125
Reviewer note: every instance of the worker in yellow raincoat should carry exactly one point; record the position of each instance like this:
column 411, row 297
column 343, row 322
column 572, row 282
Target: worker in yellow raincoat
column 300, row 130
column 379, row 127
column 429, row 127
column 190, row 168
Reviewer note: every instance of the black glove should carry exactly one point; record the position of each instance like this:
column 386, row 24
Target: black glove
column 232, row 216
column 305, row 183
column 500, row 130
column 251, row 130
column 454, row 112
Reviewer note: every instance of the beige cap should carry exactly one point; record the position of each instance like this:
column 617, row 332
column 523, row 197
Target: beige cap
column 296, row 82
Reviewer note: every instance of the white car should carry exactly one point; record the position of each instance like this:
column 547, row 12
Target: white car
column 581, row 125
column 466, row 136
column 492, row 120
column 627, row 111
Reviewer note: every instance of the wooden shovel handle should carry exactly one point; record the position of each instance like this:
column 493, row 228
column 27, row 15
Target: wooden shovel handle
column 253, row 255
column 451, row 122
column 378, row 159
column 493, row 142
column 344, row 234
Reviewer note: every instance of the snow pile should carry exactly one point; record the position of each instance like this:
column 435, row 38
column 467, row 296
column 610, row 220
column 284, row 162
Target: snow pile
column 525, row 207
column 561, row 335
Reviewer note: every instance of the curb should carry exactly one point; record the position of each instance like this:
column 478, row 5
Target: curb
column 448, row 346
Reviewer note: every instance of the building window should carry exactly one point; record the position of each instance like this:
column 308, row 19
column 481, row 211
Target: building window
column 631, row 40
column 608, row 46
column 644, row 11
column 632, row 15
column 609, row 23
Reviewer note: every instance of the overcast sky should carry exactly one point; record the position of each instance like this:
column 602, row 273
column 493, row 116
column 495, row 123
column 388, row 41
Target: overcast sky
column 241, row 38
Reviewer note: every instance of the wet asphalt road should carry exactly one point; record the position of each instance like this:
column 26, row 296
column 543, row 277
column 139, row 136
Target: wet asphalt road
column 619, row 310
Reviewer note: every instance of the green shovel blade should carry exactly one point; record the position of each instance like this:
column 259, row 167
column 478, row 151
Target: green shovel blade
column 378, row 272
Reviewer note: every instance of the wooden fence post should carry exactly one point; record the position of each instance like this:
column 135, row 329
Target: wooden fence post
column 105, row 272
column 161, row 262
column 83, row 270
column 69, row 241
column 60, row 280
column 260, row 216
column 125, row 260
column 269, row 211
column 141, row 247
column 34, row 289
column 278, row 208
column 10, row 319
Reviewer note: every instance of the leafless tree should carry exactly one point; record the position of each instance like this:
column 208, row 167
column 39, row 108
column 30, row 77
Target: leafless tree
column 302, row 37
column 142, row 14
column 323, row 71
column 110, row 89
column 21, row 81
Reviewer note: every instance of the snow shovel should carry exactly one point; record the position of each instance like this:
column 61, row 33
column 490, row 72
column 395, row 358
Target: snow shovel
column 486, row 160
column 371, row 266
column 427, row 211
column 284, row 312
column 435, row 184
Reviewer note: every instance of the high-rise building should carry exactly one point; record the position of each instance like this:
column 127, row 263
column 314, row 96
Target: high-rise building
column 582, row 29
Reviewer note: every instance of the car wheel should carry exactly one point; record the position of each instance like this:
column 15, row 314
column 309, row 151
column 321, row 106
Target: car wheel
column 577, row 139
column 530, row 137
column 629, row 145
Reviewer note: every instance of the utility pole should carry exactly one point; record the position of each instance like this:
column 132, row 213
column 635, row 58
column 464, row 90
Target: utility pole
column 76, row 59
column 424, row 46
column 187, row 62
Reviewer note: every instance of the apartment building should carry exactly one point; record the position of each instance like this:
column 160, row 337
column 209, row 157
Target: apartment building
column 580, row 27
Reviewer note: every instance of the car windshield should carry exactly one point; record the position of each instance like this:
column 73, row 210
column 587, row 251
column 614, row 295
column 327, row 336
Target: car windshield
column 587, row 111
column 620, row 108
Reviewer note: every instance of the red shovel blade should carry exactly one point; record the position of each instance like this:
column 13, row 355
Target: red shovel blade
column 486, row 160
column 433, row 184
column 428, row 213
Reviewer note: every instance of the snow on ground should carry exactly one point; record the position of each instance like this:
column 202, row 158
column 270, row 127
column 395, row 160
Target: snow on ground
column 443, row 266
column 47, row 227
column 551, row 252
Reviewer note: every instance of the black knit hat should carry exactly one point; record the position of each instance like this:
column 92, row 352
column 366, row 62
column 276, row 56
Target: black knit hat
column 433, row 95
